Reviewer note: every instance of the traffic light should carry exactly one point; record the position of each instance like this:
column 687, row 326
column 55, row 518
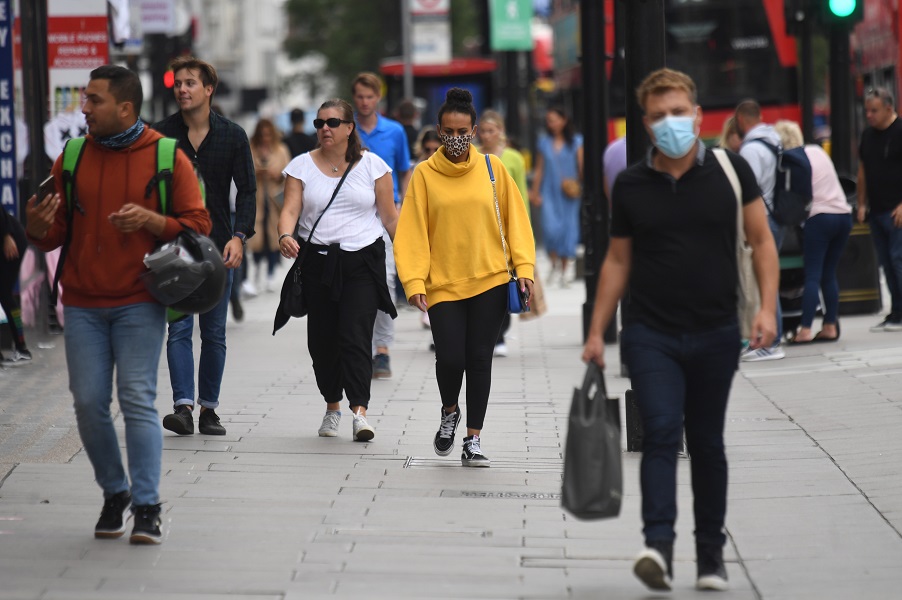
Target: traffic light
column 842, row 12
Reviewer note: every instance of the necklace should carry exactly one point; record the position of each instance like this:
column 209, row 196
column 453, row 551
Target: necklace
column 334, row 168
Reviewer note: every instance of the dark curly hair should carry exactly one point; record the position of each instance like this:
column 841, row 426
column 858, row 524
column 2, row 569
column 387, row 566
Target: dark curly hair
column 458, row 100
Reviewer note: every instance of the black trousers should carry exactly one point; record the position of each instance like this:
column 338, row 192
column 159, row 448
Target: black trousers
column 465, row 333
column 340, row 331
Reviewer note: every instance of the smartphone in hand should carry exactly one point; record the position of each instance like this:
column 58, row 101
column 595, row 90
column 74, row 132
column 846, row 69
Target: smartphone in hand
column 47, row 187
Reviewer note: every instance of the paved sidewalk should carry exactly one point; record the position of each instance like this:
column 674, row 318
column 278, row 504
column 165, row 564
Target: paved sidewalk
column 271, row 511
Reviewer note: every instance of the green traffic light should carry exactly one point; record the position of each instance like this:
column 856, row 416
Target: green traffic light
column 842, row 8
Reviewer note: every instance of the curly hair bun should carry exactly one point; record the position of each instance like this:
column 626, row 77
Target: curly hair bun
column 458, row 96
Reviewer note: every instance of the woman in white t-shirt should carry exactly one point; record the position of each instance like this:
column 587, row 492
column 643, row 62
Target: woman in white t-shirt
column 343, row 269
column 826, row 233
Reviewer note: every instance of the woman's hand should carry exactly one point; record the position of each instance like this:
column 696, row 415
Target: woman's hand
column 288, row 246
column 418, row 301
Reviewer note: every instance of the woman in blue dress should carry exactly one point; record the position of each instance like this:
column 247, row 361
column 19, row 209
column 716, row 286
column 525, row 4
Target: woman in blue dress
column 556, row 184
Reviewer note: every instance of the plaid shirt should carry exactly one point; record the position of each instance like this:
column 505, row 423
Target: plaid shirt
column 225, row 154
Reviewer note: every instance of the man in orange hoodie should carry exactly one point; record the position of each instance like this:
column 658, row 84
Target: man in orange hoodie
column 112, row 321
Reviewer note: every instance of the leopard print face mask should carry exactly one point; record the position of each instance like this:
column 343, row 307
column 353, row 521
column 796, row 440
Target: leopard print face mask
column 456, row 145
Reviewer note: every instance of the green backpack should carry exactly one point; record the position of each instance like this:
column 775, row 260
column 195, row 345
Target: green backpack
column 162, row 181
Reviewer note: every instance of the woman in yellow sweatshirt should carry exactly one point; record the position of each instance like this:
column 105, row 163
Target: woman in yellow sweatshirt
column 451, row 262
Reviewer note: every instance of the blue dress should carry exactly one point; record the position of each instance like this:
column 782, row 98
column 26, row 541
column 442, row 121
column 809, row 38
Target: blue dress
column 560, row 215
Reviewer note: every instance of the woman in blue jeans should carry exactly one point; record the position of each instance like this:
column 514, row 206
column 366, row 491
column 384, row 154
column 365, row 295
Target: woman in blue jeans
column 826, row 232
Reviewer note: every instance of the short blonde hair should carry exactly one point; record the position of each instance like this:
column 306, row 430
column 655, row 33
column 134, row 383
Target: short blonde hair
column 662, row 81
column 790, row 134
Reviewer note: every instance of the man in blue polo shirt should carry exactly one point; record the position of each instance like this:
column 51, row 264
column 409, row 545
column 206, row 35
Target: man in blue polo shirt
column 387, row 139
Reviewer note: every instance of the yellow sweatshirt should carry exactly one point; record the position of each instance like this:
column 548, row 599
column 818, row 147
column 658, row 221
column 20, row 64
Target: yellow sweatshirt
column 447, row 244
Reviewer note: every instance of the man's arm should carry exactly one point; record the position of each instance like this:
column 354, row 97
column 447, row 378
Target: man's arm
column 767, row 272
column 615, row 273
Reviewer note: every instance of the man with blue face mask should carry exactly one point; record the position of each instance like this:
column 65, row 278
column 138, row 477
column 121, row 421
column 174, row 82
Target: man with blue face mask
column 673, row 242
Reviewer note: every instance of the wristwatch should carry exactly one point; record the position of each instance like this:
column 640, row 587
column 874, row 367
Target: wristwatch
column 241, row 237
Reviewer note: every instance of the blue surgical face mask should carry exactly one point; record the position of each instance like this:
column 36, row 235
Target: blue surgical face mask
column 674, row 136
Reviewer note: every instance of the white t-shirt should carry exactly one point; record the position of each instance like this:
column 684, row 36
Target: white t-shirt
column 352, row 220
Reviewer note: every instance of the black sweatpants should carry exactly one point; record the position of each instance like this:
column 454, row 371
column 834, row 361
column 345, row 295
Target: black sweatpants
column 465, row 332
column 340, row 332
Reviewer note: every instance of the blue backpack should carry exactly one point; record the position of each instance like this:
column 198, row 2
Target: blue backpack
column 792, row 187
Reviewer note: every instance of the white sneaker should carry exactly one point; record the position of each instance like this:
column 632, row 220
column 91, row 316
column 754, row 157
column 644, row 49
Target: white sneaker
column 363, row 432
column 249, row 289
column 773, row 353
column 329, row 428
column 500, row 350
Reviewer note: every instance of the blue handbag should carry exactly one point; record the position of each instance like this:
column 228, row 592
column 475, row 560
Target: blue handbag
column 517, row 300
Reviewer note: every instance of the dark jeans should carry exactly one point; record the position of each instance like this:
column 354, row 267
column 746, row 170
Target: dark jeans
column 888, row 244
column 823, row 243
column 682, row 381
column 465, row 332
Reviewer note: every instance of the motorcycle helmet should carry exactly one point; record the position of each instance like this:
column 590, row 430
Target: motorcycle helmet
column 187, row 274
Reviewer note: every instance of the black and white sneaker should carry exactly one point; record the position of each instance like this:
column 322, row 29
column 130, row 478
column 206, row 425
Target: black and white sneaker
column 472, row 455
column 444, row 437
column 113, row 516
column 654, row 565
column 712, row 574
column 147, row 525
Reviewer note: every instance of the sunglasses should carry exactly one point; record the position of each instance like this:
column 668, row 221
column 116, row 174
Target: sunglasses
column 332, row 123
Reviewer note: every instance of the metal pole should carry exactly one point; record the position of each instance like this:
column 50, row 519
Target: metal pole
column 594, row 214
column 406, row 27
column 840, row 100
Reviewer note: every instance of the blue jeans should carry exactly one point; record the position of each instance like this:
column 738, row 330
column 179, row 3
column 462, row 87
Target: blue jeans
column 888, row 243
column 682, row 381
column 823, row 243
column 180, row 354
column 779, row 233
column 126, row 340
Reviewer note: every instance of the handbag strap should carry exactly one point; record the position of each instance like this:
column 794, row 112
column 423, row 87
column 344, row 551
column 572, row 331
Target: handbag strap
column 507, row 263
column 730, row 172
column 319, row 218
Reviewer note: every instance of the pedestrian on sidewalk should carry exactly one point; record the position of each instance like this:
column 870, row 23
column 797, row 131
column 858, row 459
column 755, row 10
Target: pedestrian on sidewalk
column 826, row 232
column 14, row 244
column 556, row 184
column 452, row 263
column 271, row 157
column 388, row 140
column 343, row 270
column 221, row 153
column 673, row 243
column 112, row 321
column 760, row 143
column 879, row 182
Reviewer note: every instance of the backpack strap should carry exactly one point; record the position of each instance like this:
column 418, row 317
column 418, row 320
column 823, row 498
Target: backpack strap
column 162, row 180
column 72, row 153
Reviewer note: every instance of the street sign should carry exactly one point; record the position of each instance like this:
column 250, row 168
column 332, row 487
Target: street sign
column 511, row 24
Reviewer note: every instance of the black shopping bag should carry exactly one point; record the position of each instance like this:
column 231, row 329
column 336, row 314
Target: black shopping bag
column 593, row 469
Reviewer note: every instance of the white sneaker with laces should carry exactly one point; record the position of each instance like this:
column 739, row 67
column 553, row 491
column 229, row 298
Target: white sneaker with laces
column 363, row 432
column 329, row 428
column 773, row 353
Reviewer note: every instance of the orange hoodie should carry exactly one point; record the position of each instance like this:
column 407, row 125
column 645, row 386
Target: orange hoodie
column 103, row 264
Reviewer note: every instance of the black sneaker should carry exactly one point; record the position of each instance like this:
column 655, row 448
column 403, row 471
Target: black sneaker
column 113, row 516
column 712, row 574
column 654, row 565
column 147, row 525
column 208, row 423
column 181, row 421
column 444, row 437
column 472, row 455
